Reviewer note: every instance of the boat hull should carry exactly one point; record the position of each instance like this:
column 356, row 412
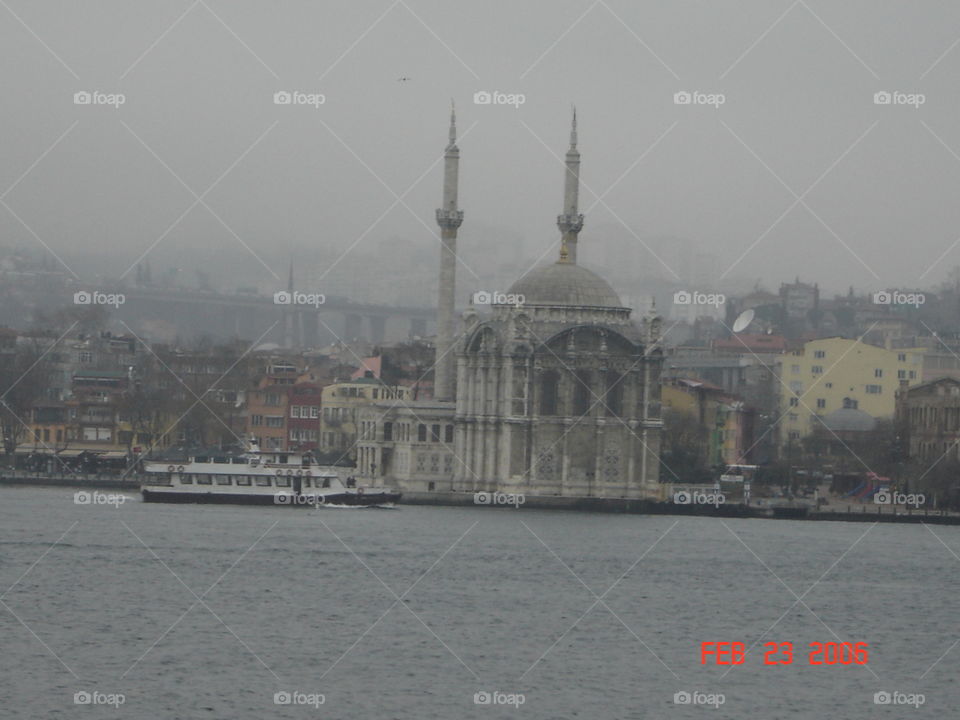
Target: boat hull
column 344, row 498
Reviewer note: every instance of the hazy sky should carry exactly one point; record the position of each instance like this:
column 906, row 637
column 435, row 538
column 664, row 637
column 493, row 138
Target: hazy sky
column 199, row 79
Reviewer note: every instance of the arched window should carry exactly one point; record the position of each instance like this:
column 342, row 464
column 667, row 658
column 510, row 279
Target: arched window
column 549, row 390
column 613, row 399
column 582, row 396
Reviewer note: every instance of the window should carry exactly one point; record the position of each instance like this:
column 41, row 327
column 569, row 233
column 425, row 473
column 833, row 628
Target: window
column 901, row 357
column 263, row 481
column 283, row 482
column 204, row 479
column 821, row 403
column 314, row 411
column 796, row 386
column 435, row 433
column 271, row 399
column 874, row 389
column 878, row 372
column 901, row 374
column 186, row 479
column 388, row 431
column 817, row 369
column 829, row 385
column 448, row 434
column 819, row 354
column 274, row 421
column 243, row 480
column 794, row 401
column 294, row 411
column 849, row 404
column 793, row 435
column 913, row 374
column 256, row 419
column 581, row 393
column 224, row 480
column 421, row 433
column 549, row 384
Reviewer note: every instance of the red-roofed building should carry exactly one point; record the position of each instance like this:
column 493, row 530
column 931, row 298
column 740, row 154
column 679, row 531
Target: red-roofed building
column 751, row 343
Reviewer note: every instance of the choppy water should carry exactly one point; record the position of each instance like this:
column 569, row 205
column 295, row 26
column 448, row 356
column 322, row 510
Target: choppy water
column 293, row 600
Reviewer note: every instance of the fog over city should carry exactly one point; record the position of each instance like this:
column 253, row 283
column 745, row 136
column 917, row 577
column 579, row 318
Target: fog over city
column 429, row 359
column 798, row 172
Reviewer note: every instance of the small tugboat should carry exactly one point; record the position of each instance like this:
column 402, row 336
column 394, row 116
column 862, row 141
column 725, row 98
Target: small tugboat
column 257, row 478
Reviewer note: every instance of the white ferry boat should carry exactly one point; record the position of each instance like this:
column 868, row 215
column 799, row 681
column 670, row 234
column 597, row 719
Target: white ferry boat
column 256, row 478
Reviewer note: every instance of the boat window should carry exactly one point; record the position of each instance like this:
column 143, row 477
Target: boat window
column 221, row 460
column 204, row 479
column 239, row 461
column 283, row 482
column 186, row 479
column 263, row 481
column 201, row 459
column 224, row 480
column 243, row 480
column 283, row 459
column 306, row 482
column 326, row 482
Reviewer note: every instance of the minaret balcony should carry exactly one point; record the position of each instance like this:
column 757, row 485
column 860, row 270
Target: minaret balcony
column 570, row 222
column 449, row 219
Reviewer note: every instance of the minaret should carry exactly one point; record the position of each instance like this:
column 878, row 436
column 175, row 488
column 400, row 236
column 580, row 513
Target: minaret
column 449, row 218
column 570, row 221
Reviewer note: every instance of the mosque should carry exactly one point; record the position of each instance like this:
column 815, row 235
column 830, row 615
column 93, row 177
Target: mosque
column 557, row 395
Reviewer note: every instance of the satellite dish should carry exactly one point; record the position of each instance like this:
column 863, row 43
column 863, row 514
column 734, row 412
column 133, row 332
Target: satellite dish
column 743, row 321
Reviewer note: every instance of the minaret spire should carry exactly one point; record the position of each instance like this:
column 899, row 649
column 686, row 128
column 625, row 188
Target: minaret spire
column 570, row 221
column 449, row 218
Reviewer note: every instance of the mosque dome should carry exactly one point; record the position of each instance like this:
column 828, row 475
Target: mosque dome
column 564, row 283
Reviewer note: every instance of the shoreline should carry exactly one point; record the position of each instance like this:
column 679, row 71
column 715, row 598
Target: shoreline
column 873, row 513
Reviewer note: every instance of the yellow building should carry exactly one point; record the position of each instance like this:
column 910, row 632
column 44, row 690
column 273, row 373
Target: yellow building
column 833, row 374
column 338, row 410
